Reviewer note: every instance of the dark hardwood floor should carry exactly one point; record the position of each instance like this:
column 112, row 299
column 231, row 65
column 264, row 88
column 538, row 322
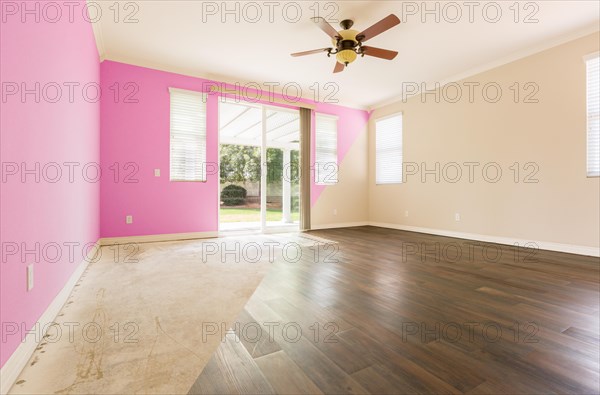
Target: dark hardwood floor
column 403, row 312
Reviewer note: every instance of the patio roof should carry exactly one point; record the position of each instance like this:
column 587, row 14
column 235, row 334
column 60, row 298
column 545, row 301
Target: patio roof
column 240, row 123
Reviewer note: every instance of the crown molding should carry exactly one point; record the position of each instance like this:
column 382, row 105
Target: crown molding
column 548, row 44
column 218, row 78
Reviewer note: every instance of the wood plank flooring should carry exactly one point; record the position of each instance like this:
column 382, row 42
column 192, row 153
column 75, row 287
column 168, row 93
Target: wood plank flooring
column 386, row 311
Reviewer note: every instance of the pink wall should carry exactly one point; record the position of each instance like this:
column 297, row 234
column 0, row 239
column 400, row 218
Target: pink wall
column 136, row 132
column 351, row 123
column 56, row 129
column 49, row 215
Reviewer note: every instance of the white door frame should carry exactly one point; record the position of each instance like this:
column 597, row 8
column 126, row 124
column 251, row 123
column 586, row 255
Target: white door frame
column 263, row 228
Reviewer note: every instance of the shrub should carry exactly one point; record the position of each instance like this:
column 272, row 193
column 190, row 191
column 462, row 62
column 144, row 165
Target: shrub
column 233, row 195
column 295, row 203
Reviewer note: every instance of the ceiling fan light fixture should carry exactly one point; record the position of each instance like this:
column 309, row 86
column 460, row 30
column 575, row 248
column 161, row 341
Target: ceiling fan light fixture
column 347, row 43
column 348, row 34
column 346, row 56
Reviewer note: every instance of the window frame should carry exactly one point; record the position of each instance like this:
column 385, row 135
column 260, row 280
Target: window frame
column 317, row 168
column 383, row 118
column 203, row 99
column 586, row 59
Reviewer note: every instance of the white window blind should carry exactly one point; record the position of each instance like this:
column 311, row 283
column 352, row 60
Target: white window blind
column 188, row 136
column 326, row 159
column 593, row 115
column 388, row 150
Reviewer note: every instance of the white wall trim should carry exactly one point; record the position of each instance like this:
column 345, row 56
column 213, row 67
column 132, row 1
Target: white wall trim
column 18, row 360
column 157, row 238
column 220, row 80
column 515, row 56
column 543, row 245
column 591, row 56
column 339, row 225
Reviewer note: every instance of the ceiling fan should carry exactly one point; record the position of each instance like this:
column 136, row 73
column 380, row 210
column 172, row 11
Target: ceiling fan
column 348, row 43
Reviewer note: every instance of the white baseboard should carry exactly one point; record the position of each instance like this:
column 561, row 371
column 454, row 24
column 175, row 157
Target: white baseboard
column 157, row 238
column 339, row 225
column 17, row 361
column 15, row 364
column 543, row 245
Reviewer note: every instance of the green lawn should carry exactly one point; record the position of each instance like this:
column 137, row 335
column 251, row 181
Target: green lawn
column 252, row 215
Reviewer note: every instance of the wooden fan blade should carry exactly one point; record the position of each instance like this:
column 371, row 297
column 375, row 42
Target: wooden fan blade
column 311, row 52
column 379, row 53
column 326, row 27
column 385, row 24
column 338, row 67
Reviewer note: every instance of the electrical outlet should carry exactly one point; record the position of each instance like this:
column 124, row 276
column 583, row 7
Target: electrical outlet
column 156, row 172
column 129, row 219
column 406, row 213
column 457, row 217
column 29, row 277
column 335, row 211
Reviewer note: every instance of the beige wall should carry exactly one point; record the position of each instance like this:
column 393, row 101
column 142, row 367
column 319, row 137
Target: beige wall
column 350, row 195
column 563, row 207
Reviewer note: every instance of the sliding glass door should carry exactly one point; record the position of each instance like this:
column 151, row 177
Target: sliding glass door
column 282, row 142
column 259, row 167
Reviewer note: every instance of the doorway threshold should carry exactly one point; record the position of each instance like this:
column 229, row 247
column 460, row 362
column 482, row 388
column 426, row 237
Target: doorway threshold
column 235, row 231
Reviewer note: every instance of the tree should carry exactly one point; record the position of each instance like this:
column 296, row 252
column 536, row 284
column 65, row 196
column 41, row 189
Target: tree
column 241, row 163
column 274, row 165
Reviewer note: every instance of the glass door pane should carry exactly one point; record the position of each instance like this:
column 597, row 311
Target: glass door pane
column 240, row 140
column 282, row 128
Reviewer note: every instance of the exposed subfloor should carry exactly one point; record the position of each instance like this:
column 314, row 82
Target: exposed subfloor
column 137, row 319
column 356, row 310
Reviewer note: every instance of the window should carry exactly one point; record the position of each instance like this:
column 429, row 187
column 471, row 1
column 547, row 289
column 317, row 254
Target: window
column 188, row 136
column 388, row 150
column 593, row 115
column 326, row 166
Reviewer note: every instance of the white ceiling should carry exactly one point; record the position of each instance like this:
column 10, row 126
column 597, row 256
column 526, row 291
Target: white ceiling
column 179, row 36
